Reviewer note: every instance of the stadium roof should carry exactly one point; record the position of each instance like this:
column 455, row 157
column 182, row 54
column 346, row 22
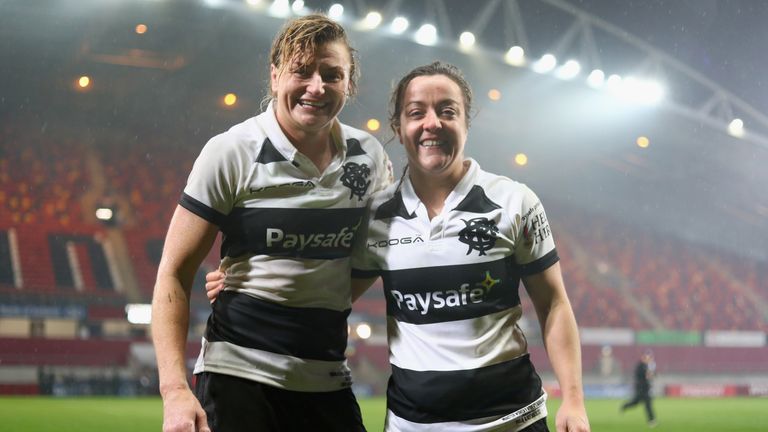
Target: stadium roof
column 694, row 179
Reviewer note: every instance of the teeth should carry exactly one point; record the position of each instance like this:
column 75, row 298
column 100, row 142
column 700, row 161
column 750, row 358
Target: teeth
column 312, row 104
column 430, row 143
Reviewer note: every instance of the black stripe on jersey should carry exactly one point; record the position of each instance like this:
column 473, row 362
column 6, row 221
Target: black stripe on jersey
column 477, row 201
column 451, row 293
column 540, row 264
column 308, row 333
column 202, row 210
column 365, row 274
column 394, row 207
column 285, row 232
column 354, row 148
column 443, row 396
column 269, row 153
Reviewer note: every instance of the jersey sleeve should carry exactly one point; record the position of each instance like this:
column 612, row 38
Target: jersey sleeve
column 385, row 176
column 534, row 246
column 210, row 189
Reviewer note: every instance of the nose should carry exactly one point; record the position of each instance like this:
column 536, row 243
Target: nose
column 432, row 121
column 315, row 84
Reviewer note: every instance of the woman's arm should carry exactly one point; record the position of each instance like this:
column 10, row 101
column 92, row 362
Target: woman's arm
column 360, row 286
column 561, row 339
column 187, row 243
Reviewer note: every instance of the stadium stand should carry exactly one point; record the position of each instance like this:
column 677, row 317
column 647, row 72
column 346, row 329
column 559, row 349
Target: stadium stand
column 65, row 277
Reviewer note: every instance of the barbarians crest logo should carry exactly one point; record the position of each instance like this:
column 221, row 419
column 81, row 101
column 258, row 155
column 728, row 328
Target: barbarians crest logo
column 354, row 177
column 479, row 234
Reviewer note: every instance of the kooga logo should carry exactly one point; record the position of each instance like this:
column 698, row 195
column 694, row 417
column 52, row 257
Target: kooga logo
column 279, row 238
column 394, row 242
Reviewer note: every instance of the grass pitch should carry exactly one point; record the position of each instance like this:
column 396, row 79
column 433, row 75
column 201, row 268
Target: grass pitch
column 42, row 414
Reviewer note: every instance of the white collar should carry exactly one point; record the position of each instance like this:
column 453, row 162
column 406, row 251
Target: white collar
column 268, row 121
column 412, row 202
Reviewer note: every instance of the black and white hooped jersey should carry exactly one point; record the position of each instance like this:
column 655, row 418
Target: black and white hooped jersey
column 287, row 236
column 459, row 359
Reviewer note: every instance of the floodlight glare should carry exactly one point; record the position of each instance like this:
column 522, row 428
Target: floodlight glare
column 596, row 78
column 569, row 70
column 363, row 331
column 637, row 90
column 399, row 25
column 467, row 39
column 515, row 56
column 613, row 83
column 736, row 128
column 253, row 2
column 214, row 4
column 545, row 64
column 336, row 11
column 297, row 6
column 280, row 8
column 426, row 35
column 372, row 20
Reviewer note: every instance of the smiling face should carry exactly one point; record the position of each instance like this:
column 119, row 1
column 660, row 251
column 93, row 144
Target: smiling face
column 433, row 126
column 309, row 96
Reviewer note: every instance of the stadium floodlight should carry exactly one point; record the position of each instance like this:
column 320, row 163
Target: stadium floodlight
column 138, row 313
column 515, row 56
column 298, row 7
column 280, row 8
column 399, row 25
column 214, row 4
column 466, row 40
column 596, row 78
column 736, row 128
column 643, row 91
column 545, row 64
column 613, row 83
column 569, row 70
column 426, row 35
column 372, row 20
column 336, row 11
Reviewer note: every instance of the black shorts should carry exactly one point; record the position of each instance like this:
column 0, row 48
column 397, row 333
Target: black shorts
column 235, row 404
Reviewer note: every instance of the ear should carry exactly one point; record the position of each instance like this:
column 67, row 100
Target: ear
column 397, row 132
column 273, row 76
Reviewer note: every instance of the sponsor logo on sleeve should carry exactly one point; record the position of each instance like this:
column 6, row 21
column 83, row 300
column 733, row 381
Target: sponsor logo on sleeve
column 535, row 226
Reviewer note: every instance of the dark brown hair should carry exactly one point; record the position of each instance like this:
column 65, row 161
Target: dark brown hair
column 434, row 68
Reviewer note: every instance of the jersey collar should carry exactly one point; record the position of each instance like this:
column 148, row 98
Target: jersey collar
column 269, row 123
column 412, row 201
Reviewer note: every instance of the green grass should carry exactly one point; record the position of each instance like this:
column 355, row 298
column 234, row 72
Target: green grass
column 39, row 414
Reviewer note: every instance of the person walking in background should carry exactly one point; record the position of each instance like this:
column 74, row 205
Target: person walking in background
column 459, row 359
column 645, row 370
column 288, row 189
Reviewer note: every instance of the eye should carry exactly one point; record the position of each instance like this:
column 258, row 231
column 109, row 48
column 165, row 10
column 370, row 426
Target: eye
column 414, row 113
column 333, row 77
column 449, row 112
